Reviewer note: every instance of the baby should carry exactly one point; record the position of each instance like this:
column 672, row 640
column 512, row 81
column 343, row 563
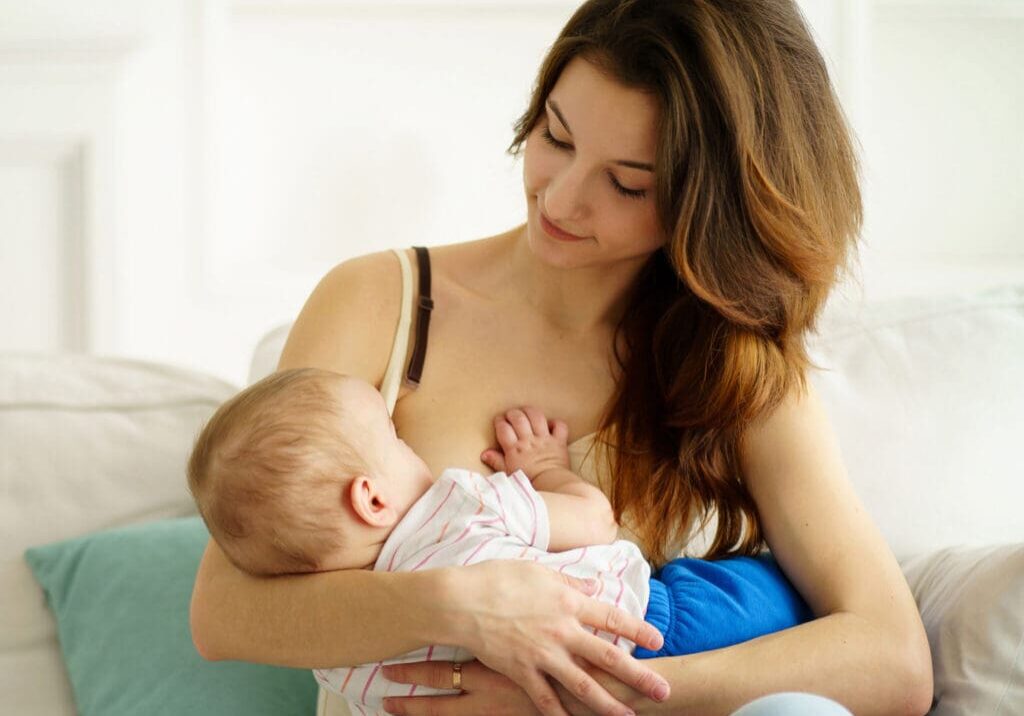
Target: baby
column 303, row 472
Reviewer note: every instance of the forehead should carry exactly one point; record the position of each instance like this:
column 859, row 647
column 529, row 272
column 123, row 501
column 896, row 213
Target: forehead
column 599, row 107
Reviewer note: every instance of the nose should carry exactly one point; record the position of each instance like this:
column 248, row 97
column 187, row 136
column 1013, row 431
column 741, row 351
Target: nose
column 565, row 198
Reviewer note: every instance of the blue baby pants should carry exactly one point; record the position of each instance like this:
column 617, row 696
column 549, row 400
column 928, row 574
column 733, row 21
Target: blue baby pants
column 701, row 605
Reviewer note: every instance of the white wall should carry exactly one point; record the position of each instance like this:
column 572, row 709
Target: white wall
column 175, row 175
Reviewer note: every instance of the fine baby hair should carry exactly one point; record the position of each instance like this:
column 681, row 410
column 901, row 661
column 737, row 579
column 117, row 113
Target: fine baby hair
column 269, row 469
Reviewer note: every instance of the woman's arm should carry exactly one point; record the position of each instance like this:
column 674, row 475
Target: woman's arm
column 323, row 620
column 868, row 649
column 521, row 619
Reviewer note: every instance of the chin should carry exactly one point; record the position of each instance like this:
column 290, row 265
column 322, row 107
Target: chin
column 554, row 253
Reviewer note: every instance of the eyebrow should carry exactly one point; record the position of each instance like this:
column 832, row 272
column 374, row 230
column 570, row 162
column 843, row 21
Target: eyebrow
column 623, row 162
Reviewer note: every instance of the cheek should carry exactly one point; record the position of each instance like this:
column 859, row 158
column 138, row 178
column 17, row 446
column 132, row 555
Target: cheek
column 637, row 225
column 539, row 164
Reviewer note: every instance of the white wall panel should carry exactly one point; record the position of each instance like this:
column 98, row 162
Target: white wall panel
column 232, row 151
column 41, row 274
column 945, row 146
column 357, row 127
column 56, row 131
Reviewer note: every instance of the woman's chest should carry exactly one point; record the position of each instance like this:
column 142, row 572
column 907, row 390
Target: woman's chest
column 480, row 366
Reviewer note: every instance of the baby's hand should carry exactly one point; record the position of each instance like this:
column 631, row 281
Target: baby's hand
column 528, row 443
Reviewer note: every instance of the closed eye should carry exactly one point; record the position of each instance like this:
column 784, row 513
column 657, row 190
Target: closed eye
column 563, row 146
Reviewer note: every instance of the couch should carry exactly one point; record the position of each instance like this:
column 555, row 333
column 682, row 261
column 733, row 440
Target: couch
column 924, row 393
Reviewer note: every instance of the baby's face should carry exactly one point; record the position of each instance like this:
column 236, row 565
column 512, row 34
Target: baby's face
column 369, row 424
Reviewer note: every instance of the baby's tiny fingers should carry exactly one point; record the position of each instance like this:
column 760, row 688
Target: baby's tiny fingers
column 517, row 418
column 493, row 459
column 537, row 421
column 560, row 430
column 504, row 432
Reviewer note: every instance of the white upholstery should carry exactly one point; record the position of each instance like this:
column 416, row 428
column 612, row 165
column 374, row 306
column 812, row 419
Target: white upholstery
column 927, row 397
column 85, row 444
column 924, row 395
column 972, row 603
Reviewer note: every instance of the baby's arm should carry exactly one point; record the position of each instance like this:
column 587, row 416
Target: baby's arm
column 579, row 513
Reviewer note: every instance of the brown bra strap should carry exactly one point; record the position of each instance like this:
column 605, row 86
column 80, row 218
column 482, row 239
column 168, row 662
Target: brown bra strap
column 425, row 306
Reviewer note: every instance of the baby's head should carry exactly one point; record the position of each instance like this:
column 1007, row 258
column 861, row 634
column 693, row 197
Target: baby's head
column 303, row 472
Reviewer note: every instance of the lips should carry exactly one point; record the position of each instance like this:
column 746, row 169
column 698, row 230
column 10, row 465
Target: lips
column 557, row 233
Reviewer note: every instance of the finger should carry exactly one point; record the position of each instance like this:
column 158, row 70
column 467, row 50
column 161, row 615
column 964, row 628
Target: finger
column 616, row 621
column 538, row 422
column 436, row 674
column 613, row 659
column 505, row 433
column 427, row 705
column 494, row 460
column 543, row 696
column 520, row 422
column 560, row 430
column 585, row 688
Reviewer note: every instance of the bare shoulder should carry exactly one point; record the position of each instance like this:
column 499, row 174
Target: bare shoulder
column 799, row 414
column 788, row 450
column 349, row 320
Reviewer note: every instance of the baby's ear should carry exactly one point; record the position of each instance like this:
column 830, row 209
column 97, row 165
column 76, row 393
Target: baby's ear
column 371, row 506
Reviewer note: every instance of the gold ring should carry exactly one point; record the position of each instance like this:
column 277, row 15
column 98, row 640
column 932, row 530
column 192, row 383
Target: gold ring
column 457, row 676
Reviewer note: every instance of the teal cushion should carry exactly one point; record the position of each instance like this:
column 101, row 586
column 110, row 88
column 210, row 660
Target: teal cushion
column 121, row 599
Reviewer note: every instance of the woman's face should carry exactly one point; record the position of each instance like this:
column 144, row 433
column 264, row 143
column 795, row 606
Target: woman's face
column 588, row 170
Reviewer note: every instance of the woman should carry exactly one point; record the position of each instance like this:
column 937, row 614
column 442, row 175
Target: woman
column 691, row 199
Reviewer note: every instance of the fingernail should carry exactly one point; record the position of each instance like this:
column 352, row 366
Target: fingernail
column 661, row 692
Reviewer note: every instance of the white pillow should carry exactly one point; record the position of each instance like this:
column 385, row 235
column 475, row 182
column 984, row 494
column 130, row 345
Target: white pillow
column 85, row 444
column 972, row 604
column 927, row 399
column 268, row 352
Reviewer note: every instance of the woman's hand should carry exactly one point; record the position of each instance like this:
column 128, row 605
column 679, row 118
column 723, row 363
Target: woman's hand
column 527, row 622
column 485, row 691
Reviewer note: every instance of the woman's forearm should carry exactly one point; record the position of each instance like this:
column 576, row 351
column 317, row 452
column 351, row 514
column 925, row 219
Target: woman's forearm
column 841, row 656
column 322, row 620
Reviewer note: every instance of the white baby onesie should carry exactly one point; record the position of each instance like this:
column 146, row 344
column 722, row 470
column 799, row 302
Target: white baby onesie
column 465, row 518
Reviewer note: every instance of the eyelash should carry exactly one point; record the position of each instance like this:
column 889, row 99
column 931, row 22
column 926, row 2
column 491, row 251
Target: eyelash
column 630, row 193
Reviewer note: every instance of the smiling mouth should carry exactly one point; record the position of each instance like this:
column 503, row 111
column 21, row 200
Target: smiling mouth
column 556, row 232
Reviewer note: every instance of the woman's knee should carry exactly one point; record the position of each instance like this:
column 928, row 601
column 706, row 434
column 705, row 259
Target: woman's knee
column 792, row 704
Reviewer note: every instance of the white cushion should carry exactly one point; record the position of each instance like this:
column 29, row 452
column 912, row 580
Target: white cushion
column 972, row 604
column 267, row 353
column 927, row 398
column 85, row 444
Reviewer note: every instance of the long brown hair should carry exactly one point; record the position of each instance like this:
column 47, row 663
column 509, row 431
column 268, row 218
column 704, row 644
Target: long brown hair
column 757, row 190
